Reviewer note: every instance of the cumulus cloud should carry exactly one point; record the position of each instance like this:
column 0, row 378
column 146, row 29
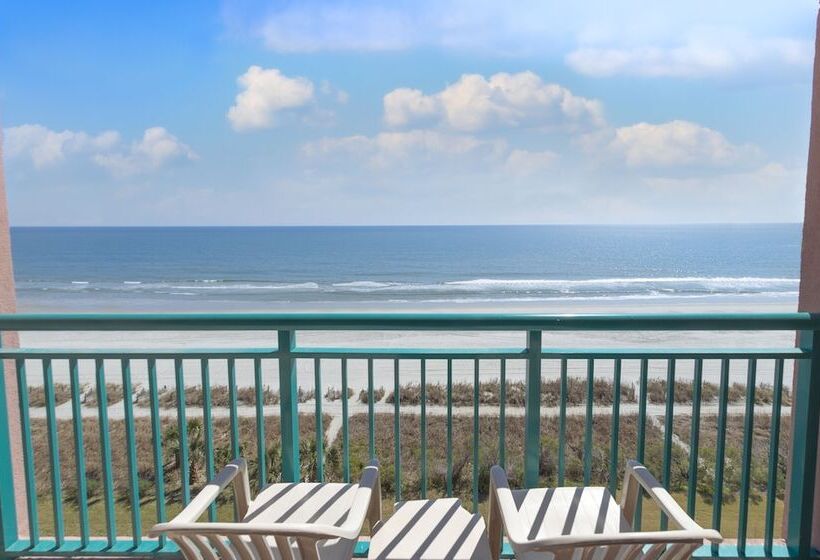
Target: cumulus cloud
column 709, row 53
column 266, row 92
column 156, row 148
column 45, row 147
column 674, row 143
column 504, row 100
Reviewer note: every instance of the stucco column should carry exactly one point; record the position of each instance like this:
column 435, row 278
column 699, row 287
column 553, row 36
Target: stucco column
column 809, row 298
column 8, row 304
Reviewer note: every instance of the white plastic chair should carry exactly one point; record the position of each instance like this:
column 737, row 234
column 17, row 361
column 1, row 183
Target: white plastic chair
column 286, row 521
column 586, row 523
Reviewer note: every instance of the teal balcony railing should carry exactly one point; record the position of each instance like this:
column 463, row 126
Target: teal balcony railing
column 107, row 450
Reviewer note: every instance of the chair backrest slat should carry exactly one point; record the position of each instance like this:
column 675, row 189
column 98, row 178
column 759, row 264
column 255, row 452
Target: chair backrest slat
column 225, row 552
column 283, row 544
column 632, row 552
column 655, row 552
column 241, row 547
column 188, row 550
column 205, row 550
column 307, row 549
column 263, row 551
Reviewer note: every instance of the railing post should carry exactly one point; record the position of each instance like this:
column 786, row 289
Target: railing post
column 805, row 419
column 8, row 506
column 289, row 407
column 532, row 433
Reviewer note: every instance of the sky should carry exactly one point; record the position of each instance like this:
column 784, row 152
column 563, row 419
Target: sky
column 250, row 112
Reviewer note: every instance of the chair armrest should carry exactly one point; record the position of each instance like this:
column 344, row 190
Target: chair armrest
column 299, row 530
column 503, row 514
column 197, row 506
column 618, row 539
column 636, row 473
column 367, row 502
column 366, row 505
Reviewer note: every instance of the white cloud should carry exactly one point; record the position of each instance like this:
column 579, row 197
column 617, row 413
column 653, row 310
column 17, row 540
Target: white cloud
column 404, row 105
column 156, row 148
column 339, row 95
column 525, row 162
column 674, row 143
column 771, row 192
column 265, row 92
column 705, row 53
column 541, row 27
column 413, row 147
column 504, row 100
column 45, row 147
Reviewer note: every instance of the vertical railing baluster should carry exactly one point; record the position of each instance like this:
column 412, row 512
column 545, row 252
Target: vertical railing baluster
column 476, row 396
column 232, row 412
column 805, row 421
column 54, row 454
column 156, row 441
column 588, row 422
column 640, row 450
column 562, row 423
column 502, row 415
column 694, row 439
column 345, row 426
column 8, row 507
column 774, row 454
column 616, row 416
column 320, row 430
column 746, row 465
column 668, row 431
column 396, row 430
column 131, row 451
column 288, row 405
column 532, row 428
column 720, row 447
column 28, row 453
column 371, row 417
column 449, row 427
column 261, row 447
column 204, row 369
column 105, row 453
column 79, row 449
column 423, row 402
column 182, row 429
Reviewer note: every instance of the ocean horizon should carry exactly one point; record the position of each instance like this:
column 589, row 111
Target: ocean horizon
column 282, row 268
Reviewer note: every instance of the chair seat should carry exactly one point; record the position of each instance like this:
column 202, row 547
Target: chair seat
column 431, row 530
column 552, row 512
column 305, row 502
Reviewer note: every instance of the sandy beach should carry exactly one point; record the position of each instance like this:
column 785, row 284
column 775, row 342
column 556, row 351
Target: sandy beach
column 436, row 369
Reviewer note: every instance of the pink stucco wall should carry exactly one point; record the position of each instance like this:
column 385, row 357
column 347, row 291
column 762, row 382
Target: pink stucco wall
column 809, row 299
column 8, row 304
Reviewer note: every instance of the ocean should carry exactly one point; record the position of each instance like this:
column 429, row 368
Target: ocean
column 402, row 268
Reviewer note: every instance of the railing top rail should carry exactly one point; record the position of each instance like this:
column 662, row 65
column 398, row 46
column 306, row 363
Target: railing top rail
column 410, row 321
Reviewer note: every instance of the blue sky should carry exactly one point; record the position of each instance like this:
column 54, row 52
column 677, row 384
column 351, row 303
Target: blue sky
column 449, row 112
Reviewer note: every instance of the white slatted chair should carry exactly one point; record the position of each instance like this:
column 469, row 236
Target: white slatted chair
column 286, row 521
column 587, row 524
